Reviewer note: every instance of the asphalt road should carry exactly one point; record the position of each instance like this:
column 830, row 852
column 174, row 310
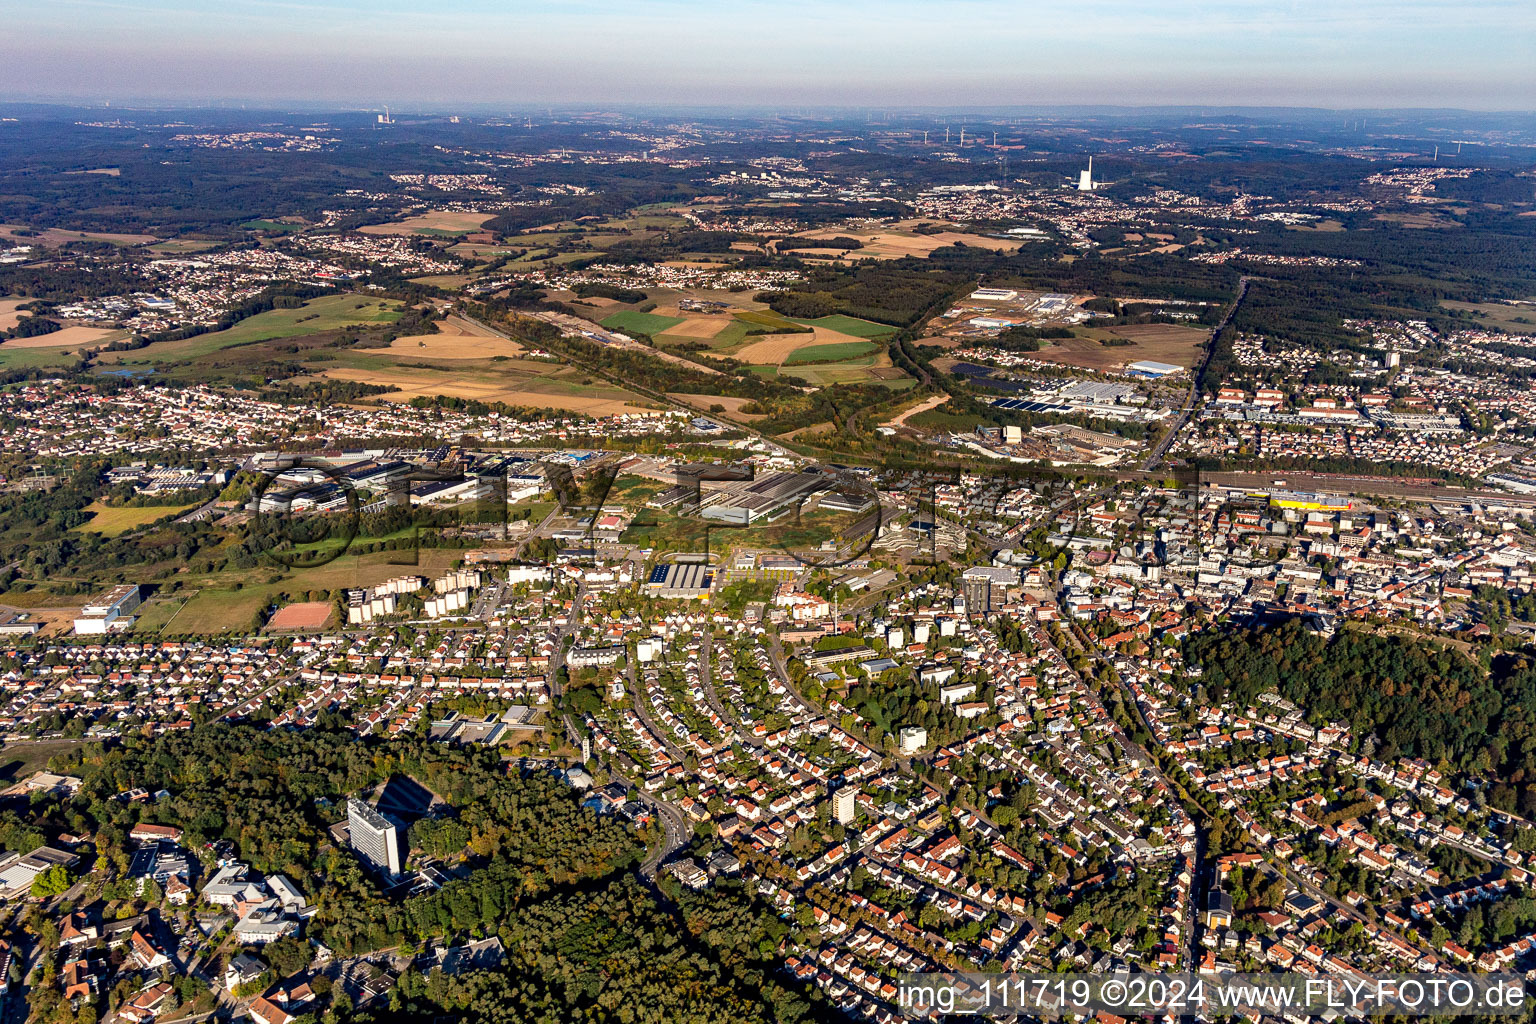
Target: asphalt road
column 1155, row 456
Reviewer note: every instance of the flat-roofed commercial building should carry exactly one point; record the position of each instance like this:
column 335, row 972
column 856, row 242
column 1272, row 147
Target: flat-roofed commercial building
column 109, row 610
column 681, row 580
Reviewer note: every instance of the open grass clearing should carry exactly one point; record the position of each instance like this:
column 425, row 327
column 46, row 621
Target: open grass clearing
column 327, row 313
column 1418, row 219
column 1164, row 343
column 272, row 225
column 1503, row 315
column 20, row 758
column 52, row 238
column 113, row 521
column 158, row 612
column 218, row 609
column 732, row 404
column 178, row 246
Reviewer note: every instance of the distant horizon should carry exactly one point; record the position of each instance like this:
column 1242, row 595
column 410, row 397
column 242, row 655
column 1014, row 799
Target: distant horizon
column 482, row 108
column 1369, row 54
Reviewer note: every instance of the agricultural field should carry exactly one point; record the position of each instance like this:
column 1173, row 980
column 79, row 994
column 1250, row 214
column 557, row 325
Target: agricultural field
column 113, row 521
column 640, row 323
column 849, row 325
column 435, row 223
column 728, row 333
column 9, row 316
column 327, row 313
column 863, row 371
column 71, row 339
column 835, row 352
column 19, row 356
column 457, row 338
column 893, row 243
column 516, row 382
column 822, row 343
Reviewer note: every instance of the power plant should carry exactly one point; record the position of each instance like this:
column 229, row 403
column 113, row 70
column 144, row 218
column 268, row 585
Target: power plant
column 1085, row 178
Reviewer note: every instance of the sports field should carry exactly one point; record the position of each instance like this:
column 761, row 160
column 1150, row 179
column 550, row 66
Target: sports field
column 305, row 616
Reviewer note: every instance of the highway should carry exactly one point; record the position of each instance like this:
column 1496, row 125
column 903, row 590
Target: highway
column 676, row 832
column 1155, row 456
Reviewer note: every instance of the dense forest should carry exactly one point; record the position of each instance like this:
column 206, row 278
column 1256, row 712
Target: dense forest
column 1401, row 697
column 896, row 293
column 275, row 794
column 616, row 953
column 550, row 878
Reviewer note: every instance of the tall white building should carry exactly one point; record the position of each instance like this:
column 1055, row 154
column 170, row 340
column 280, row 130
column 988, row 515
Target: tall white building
column 843, row 804
column 911, row 738
column 1085, row 178
column 374, row 837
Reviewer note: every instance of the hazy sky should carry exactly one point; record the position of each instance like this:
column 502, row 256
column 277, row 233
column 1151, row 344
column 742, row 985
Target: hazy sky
column 1479, row 54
